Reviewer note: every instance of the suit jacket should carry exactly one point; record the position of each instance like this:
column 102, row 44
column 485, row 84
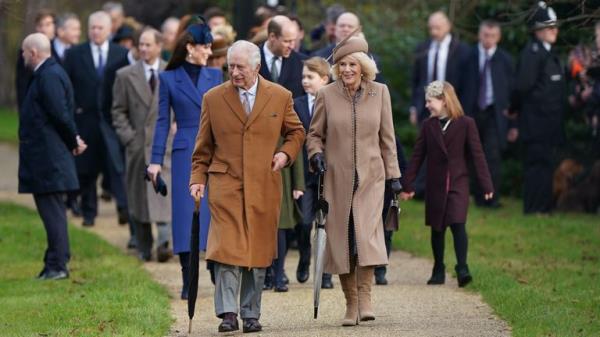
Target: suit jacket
column 47, row 133
column 456, row 62
column 234, row 153
column 134, row 114
column 23, row 75
column 93, row 101
column 301, row 108
column 447, row 175
column 502, row 73
column 291, row 72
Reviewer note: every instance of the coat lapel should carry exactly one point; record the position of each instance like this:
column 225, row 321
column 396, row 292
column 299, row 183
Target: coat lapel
column 263, row 95
column 186, row 86
column 233, row 100
column 436, row 130
column 285, row 69
column 142, row 88
column 88, row 59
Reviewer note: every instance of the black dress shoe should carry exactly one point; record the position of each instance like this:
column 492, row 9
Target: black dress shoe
column 463, row 275
column 105, row 196
column 123, row 216
column 87, row 223
column 73, row 205
column 268, row 285
column 438, row 275
column 380, row 279
column 229, row 323
column 251, row 325
column 326, row 282
column 285, row 279
column 163, row 252
column 302, row 273
column 281, row 289
column 145, row 256
column 132, row 243
column 54, row 275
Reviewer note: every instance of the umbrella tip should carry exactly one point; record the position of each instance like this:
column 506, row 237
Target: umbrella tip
column 190, row 327
column 316, row 312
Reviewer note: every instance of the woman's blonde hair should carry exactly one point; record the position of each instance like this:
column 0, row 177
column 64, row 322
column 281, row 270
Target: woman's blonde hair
column 368, row 67
column 445, row 91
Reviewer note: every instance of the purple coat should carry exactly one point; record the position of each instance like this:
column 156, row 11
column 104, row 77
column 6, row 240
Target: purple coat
column 447, row 176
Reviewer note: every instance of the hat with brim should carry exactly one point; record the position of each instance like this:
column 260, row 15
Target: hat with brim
column 352, row 45
column 219, row 48
column 543, row 17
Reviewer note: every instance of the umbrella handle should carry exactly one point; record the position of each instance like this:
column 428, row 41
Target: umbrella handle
column 197, row 204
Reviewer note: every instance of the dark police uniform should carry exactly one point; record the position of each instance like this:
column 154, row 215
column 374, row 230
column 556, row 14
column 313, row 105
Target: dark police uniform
column 542, row 100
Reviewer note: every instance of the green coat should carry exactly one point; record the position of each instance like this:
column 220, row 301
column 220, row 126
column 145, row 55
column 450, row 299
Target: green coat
column 293, row 179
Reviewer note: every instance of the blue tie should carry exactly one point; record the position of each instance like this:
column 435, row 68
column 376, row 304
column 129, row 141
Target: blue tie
column 100, row 67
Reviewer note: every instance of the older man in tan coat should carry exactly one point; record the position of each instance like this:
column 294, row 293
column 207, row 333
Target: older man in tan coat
column 238, row 157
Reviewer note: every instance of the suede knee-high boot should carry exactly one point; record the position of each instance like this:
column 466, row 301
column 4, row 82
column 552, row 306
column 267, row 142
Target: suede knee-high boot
column 365, row 280
column 350, row 289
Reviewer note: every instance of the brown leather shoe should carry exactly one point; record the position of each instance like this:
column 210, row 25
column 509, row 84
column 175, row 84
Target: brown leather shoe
column 251, row 325
column 163, row 252
column 229, row 323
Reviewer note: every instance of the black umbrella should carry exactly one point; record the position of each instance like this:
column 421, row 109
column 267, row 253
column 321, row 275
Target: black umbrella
column 194, row 262
column 319, row 243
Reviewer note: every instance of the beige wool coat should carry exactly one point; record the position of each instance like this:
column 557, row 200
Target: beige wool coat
column 233, row 156
column 355, row 136
column 134, row 113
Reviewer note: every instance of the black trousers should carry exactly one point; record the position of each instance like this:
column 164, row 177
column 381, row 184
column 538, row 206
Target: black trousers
column 488, row 133
column 461, row 245
column 52, row 210
column 538, row 172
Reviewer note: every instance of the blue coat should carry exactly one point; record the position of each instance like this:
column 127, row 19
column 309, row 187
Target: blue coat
column 47, row 133
column 177, row 93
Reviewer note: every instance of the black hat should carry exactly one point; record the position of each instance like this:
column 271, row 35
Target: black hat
column 125, row 32
column 199, row 30
column 542, row 17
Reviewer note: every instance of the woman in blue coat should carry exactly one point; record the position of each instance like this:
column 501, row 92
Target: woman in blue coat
column 182, row 86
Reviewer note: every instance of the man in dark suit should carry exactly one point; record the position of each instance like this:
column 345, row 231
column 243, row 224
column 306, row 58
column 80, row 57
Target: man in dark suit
column 442, row 57
column 92, row 66
column 490, row 84
column 68, row 32
column 48, row 139
column 44, row 23
column 542, row 99
column 280, row 63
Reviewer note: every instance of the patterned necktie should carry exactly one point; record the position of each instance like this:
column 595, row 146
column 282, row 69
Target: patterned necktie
column 152, row 80
column 274, row 72
column 246, row 103
column 100, row 67
column 482, row 101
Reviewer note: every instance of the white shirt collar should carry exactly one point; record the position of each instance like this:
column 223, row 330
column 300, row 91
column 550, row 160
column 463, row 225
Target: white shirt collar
column 251, row 91
column 547, row 45
column 103, row 47
column 269, row 58
column 490, row 52
column 60, row 47
column 39, row 65
column 153, row 66
column 445, row 41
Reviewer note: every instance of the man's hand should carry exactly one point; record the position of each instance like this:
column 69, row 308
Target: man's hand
column 317, row 163
column 296, row 194
column 488, row 196
column 412, row 116
column 153, row 171
column 405, row 195
column 280, row 159
column 513, row 134
column 197, row 191
column 81, row 146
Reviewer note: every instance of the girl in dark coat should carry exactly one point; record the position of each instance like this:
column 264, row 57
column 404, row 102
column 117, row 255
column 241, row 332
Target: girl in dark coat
column 447, row 140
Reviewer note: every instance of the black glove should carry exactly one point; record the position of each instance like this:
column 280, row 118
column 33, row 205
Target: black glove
column 317, row 163
column 395, row 185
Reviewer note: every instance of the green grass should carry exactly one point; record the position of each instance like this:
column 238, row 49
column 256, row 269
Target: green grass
column 108, row 293
column 9, row 126
column 541, row 274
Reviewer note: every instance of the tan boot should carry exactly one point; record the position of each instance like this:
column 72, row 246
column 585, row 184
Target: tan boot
column 350, row 289
column 365, row 279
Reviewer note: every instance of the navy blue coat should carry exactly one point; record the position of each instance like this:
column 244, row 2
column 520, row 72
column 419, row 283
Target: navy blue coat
column 291, row 72
column 177, row 93
column 301, row 108
column 23, row 75
column 47, row 133
column 502, row 71
column 458, row 53
column 93, row 102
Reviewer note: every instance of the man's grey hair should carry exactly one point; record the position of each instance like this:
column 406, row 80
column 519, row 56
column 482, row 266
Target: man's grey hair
column 113, row 6
column 248, row 48
column 62, row 20
column 168, row 21
column 39, row 42
column 102, row 16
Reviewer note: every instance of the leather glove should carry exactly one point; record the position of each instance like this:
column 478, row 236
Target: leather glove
column 317, row 163
column 395, row 185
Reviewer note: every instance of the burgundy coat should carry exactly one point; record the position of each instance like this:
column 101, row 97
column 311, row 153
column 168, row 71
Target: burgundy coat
column 447, row 176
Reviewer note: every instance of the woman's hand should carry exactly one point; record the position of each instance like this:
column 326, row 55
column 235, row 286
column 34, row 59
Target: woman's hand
column 488, row 196
column 297, row 194
column 153, row 170
column 406, row 195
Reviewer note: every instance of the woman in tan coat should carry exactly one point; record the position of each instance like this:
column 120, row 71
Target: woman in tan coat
column 353, row 131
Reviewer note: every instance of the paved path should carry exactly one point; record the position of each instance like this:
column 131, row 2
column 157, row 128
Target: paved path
column 405, row 307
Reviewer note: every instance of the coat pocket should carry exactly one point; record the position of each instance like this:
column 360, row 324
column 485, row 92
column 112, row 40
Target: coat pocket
column 180, row 144
column 217, row 167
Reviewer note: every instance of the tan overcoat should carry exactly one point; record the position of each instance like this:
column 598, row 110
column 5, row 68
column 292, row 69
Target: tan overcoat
column 134, row 113
column 355, row 135
column 233, row 154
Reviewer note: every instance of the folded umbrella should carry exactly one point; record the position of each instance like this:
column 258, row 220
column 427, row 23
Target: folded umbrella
column 320, row 239
column 194, row 265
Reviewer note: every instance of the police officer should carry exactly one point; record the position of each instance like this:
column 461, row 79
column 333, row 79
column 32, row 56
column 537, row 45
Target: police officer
column 541, row 94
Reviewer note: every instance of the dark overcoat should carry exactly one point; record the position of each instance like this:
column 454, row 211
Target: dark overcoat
column 447, row 176
column 47, row 133
column 291, row 72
